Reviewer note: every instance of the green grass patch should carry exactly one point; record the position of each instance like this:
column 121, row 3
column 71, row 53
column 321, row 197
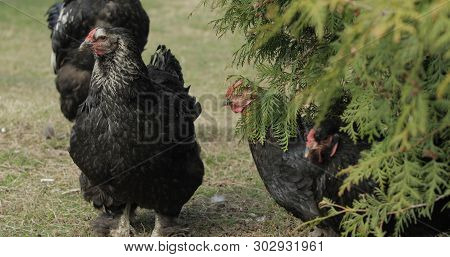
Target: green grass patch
column 17, row 158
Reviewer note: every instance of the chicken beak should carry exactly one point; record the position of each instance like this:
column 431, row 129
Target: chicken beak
column 307, row 152
column 226, row 103
column 309, row 148
column 87, row 44
column 334, row 149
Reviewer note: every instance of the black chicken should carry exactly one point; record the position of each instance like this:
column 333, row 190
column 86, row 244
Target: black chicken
column 134, row 137
column 70, row 22
column 301, row 177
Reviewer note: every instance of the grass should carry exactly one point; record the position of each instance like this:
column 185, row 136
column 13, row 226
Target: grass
column 29, row 104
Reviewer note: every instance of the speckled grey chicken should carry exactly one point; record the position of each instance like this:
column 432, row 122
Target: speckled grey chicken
column 134, row 137
column 70, row 21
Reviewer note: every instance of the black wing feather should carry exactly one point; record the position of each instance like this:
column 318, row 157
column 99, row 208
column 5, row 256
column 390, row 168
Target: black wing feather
column 166, row 73
column 53, row 15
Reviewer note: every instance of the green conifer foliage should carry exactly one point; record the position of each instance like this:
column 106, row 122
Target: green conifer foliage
column 390, row 56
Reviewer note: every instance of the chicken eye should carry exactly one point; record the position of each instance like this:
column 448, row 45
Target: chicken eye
column 101, row 38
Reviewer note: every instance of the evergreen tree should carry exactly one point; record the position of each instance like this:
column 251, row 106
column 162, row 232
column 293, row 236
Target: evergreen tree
column 391, row 58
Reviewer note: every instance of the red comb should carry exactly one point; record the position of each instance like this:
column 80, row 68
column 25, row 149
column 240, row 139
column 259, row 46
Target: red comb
column 90, row 36
column 311, row 137
column 231, row 89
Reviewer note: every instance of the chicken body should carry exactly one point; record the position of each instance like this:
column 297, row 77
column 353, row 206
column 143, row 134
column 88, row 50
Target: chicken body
column 298, row 185
column 134, row 137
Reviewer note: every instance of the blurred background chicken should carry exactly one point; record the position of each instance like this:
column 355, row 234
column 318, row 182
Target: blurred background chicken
column 70, row 22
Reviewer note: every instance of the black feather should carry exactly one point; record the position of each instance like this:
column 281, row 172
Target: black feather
column 164, row 60
column 165, row 69
column 53, row 15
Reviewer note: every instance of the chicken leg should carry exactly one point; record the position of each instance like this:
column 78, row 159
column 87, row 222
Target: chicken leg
column 124, row 228
column 166, row 226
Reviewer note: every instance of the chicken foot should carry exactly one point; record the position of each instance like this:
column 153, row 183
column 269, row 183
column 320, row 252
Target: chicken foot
column 124, row 228
column 166, row 226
